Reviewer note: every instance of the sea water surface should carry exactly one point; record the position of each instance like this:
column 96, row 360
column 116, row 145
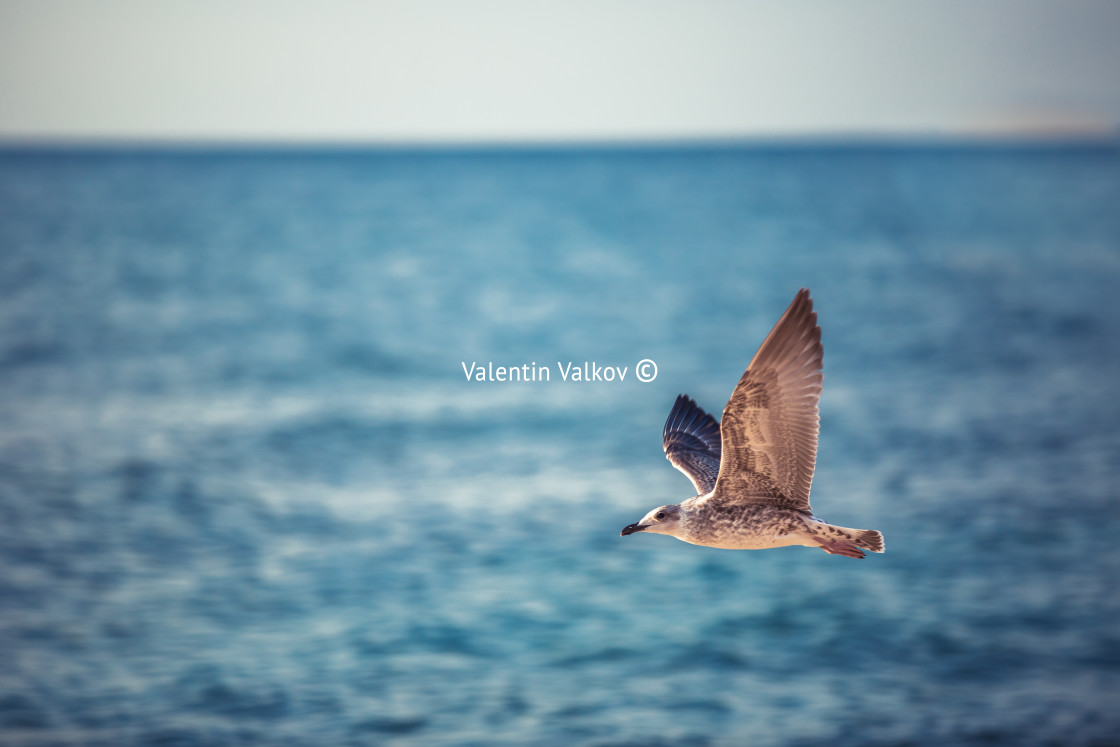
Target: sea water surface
column 248, row 495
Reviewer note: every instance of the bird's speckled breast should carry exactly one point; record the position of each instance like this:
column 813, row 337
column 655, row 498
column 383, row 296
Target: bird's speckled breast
column 747, row 527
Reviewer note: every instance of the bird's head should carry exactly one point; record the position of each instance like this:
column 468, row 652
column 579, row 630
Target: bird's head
column 661, row 520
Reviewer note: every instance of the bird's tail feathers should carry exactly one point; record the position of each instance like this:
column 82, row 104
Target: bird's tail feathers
column 868, row 539
column 828, row 535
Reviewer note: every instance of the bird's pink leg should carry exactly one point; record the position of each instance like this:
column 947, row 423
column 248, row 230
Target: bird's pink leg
column 840, row 547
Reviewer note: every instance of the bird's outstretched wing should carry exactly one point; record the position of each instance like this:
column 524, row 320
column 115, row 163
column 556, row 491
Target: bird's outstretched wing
column 770, row 424
column 692, row 443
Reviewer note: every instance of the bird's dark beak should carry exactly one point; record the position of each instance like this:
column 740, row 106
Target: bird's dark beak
column 630, row 529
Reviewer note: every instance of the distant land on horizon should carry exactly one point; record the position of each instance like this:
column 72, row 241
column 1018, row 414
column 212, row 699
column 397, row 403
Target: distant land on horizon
column 1094, row 138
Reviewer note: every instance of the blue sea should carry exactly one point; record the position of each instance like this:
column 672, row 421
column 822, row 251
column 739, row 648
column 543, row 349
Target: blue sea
column 248, row 494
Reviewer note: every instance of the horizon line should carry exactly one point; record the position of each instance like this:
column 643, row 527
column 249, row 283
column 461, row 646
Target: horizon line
column 1074, row 138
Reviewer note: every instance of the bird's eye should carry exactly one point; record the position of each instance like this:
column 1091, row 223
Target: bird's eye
column 660, row 515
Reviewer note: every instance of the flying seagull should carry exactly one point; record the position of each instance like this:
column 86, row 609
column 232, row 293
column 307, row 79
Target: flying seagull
column 753, row 472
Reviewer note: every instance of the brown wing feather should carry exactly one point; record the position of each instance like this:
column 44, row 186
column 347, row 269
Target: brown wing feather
column 770, row 424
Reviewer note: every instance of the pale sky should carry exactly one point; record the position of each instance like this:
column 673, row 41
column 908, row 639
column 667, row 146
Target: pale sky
column 519, row 70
